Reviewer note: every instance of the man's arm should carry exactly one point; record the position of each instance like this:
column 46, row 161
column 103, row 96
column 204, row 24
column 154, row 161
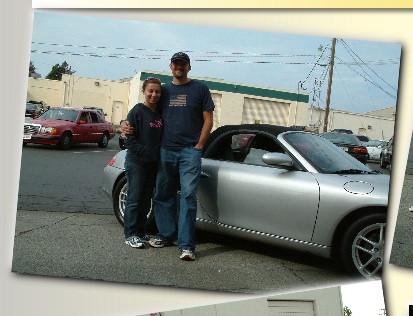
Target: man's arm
column 126, row 128
column 206, row 128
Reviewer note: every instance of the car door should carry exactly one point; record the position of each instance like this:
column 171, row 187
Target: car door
column 99, row 127
column 251, row 195
column 85, row 129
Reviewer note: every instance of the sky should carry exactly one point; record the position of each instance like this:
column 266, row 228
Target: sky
column 365, row 73
column 364, row 299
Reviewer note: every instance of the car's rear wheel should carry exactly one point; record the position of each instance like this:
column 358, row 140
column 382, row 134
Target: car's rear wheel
column 65, row 141
column 119, row 200
column 104, row 141
column 362, row 246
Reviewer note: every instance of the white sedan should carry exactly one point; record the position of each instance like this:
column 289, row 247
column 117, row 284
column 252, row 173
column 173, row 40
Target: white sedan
column 374, row 149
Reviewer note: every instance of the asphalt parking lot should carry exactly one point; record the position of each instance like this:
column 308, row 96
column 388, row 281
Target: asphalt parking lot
column 401, row 252
column 90, row 246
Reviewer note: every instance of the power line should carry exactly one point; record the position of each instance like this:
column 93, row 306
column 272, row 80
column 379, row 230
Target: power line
column 211, row 54
column 367, row 79
column 349, row 49
column 160, row 57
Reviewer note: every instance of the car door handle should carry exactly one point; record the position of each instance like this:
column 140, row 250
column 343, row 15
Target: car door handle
column 204, row 174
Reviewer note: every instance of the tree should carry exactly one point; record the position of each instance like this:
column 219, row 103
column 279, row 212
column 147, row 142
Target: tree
column 347, row 311
column 58, row 70
column 32, row 68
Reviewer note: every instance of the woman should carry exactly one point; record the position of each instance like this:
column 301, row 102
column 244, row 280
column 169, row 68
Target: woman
column 141, row 162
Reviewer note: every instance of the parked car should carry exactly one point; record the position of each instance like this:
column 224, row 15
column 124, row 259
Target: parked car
column 97, row 109
column 386, row 154
column 122, row 141
column 286, row 188
column 374, row 149
column 241, row 140
column 66, row 126
column 349, row 143
column 33, row 110
column 342, row 130
column 363, row 138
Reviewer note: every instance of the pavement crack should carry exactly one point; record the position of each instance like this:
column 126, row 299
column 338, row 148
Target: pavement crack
column 44, row 226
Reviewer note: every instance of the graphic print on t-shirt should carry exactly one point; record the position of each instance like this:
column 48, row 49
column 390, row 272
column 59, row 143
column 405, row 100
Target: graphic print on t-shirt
column 178, row 100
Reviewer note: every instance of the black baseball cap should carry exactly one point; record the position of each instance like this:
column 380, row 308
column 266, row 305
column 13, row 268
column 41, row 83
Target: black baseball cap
column 181, row 56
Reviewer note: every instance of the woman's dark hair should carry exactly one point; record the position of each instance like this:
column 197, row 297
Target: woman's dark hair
column 150, row 80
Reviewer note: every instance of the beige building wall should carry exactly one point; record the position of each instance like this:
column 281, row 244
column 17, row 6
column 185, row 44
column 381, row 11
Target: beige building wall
column 323, row 302
column 326, row 302
column 387, row 112
column 74, row 91
column 234, row 104
column 110, row 95
column 48, row 91
column 375, row 127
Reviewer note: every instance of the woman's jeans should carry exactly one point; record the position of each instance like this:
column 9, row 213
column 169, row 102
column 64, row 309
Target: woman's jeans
column 182, row 167
column 141, row 183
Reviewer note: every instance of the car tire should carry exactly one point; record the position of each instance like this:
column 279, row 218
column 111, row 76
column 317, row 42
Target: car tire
column 65, row 141
column 119, row 198
column 362, row 246
column 104, row 141
column 383, row 163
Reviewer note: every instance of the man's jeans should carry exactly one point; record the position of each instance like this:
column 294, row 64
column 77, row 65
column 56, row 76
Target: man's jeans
column 141, row 183
column 177, row 167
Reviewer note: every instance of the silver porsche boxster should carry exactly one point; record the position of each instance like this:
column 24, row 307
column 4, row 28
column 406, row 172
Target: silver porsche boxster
column 284, row 187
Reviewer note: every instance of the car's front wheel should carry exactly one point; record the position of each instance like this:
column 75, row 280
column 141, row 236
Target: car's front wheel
column 383, row 163
column 119, row 200
column 65, row 141
column 362, row 246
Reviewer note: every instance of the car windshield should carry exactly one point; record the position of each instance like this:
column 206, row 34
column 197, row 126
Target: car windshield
column 323, row 155
column 374, row 143
column 341, row 138
column 61, row 114
column 30, row 106
column 363, row 138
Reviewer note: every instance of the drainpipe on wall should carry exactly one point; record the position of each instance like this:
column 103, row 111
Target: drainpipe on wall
column 64, row 93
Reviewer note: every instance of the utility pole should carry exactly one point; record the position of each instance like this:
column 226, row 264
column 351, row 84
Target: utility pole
column 330, row 79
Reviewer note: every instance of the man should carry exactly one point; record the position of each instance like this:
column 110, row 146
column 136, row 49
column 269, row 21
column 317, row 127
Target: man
column 187, row 110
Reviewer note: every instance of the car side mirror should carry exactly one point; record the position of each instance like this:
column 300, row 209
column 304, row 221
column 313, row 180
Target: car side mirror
column 277, row 159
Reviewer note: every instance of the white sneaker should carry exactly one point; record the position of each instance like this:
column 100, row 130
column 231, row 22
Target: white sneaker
column 187, row 255
column 135, row 242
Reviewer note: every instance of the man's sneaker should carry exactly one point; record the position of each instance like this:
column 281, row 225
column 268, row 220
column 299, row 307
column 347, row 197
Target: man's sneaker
column 187, row 255
column 145, row 238
column 135, row 242
column 159, row 243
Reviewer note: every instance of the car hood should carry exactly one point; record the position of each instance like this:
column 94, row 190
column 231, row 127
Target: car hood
column 50, row 122
column 360, row 184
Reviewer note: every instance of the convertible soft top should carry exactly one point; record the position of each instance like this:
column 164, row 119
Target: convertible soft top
column 247, row 128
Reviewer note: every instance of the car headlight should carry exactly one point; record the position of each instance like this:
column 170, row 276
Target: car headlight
column 48, row 130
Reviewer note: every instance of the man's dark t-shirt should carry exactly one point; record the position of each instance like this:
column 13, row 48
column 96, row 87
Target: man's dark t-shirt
column 182, row 112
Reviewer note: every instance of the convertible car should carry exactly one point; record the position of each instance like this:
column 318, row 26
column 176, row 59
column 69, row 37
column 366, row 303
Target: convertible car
column 287, row 188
